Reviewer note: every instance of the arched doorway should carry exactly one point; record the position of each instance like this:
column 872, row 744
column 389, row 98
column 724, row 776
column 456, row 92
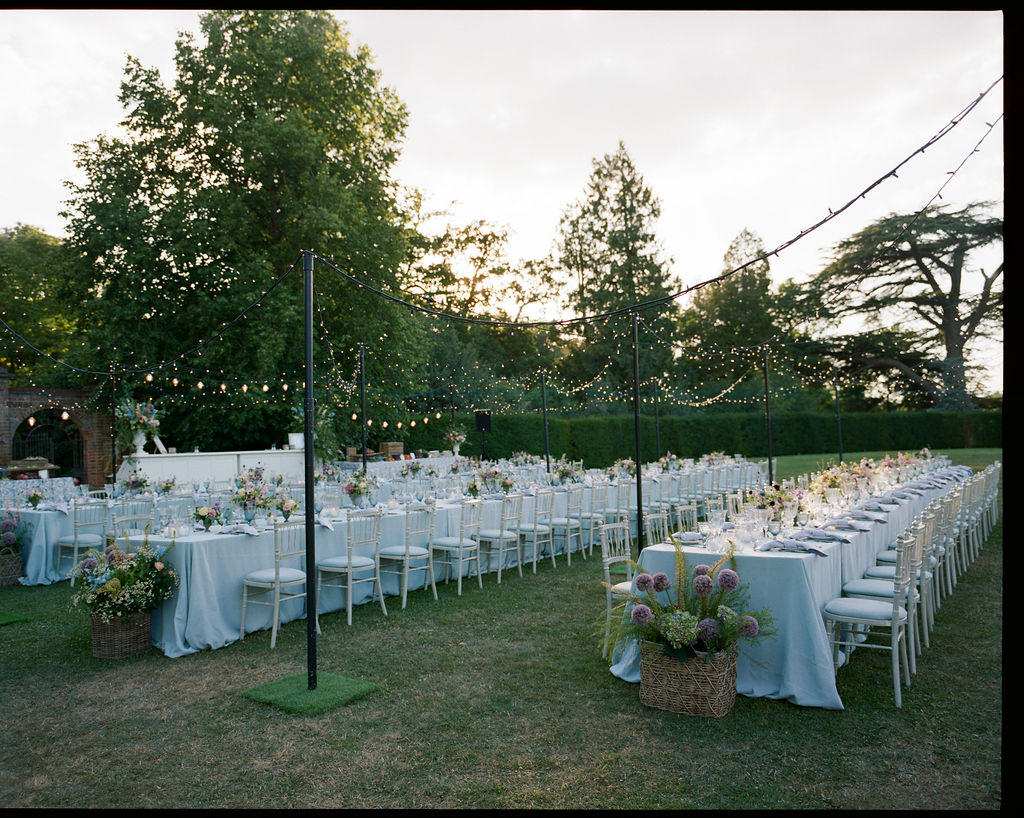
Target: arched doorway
column 52, row 437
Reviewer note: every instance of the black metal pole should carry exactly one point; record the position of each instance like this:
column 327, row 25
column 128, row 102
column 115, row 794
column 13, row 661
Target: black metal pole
column 839, row 422
column 310, row 487
column 544, row 405
column 113, row 429
column 451, row 401
column 362, row 393
column 768, row 417
column 657, row 422
column 636, row 434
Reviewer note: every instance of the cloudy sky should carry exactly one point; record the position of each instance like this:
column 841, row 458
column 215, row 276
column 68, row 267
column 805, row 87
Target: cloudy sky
column 757, row 120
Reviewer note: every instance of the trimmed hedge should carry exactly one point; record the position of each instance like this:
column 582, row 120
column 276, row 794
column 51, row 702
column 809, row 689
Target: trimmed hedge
column 600, row 441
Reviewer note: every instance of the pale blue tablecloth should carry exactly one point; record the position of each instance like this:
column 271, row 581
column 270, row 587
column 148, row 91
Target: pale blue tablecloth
column 206, row 611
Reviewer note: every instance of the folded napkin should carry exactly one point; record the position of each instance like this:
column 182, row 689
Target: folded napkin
column 688, row 536
column 790, row 545
column 325, row 521
column 841, row 523
column 728, row 526
column 238, row 528
column 52, row 505
column 867, row 515
column 819, row 534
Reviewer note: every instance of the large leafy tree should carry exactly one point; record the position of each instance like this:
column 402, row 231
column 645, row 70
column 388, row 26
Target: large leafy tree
column 608, row 246
column 275, row 136
column 917, row 284
column 731, row 316
column 32, row 267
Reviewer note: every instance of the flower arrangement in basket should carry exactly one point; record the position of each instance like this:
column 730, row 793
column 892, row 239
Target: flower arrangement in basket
column 34, row 498
column 689, row 633
column 120, row 590
column 10, row 548
column 208, row 515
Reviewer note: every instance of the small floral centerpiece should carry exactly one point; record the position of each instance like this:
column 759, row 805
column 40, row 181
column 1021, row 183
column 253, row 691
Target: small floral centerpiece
column 116, row 584
column 456, row 437
column 774, row 498
column 208, row 515
column 10, row 548
column 506, row 483
column 34, row 497
column 473, row 488
column 326, row 472
column 251, row 490
column 135, row 482
column 358, row 486
column 623, row 466
column 167, row 486
column 411, row 469
column 714, row 459
column 287, row 505
column 564, row 470
column 670, row 462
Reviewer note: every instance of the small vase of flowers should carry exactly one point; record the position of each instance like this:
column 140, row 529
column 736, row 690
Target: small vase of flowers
column 208, row 515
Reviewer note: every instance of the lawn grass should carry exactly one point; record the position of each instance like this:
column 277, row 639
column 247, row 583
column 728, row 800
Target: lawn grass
column 495, row 699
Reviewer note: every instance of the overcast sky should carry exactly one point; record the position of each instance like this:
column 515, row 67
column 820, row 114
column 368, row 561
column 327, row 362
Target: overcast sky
column 758, row 120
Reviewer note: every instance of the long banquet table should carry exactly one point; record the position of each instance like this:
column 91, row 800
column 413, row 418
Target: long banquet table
column 205, row 612
column 796, row 665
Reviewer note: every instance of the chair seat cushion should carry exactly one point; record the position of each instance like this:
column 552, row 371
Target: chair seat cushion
column 868, row 587
column 453, row 543
column 565, row 522
column 343, row 564
column 495, row 534
column 265, row 576
column 399, row 551
column 861, row 609
column 84, row 540
column 886, row 558
column 530, row 528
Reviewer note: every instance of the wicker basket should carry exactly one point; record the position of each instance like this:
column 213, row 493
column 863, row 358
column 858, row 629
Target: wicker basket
column 697, row 687
column 10, row 568
column 121, row 637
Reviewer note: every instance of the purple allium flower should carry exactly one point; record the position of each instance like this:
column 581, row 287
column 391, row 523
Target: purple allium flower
column 708, row 629
column 8, row 538
column 703, row 585
column 641, row 615
column 749, row 628
column 661, row 581
column 728, row 580
column 644, row 582
column 7, row 524
column 88, row 563
column 701, row 569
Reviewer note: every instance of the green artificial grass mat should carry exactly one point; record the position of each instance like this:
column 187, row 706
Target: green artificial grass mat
column 293, row 695
column 8, row 618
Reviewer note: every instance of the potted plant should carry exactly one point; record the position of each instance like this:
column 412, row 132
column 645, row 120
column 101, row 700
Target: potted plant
column 120, row 590
column 689, row 633
column 10, row 548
